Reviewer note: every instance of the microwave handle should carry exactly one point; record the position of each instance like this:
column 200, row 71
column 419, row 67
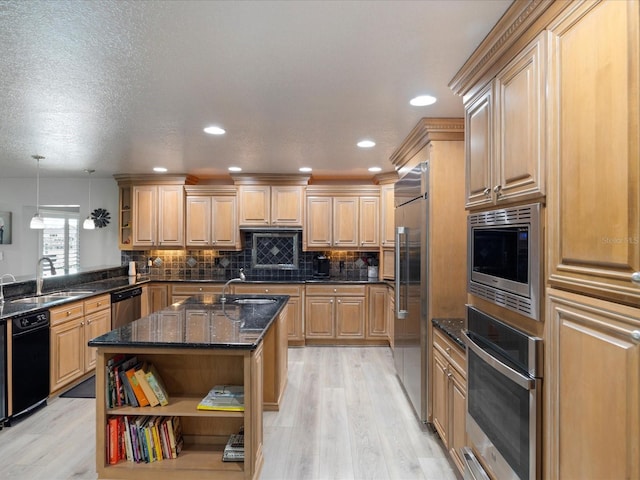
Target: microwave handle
column 522, row 380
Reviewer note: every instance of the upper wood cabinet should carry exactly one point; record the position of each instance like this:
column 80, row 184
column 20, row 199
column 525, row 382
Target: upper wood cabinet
column 271, row 205
column 342, row 218
column 594, row 177
column 212, row 217
column 504, row 136
column 387, row 217
column 151, row 211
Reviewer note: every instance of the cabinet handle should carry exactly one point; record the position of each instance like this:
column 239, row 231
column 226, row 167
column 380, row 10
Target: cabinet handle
column 335, row 290
column 68, row 312
column 635, row 278
column 448, row 350
column 486, row 192
column 498, row 190
column 636, row 335
column 330, row 301
column 81, row 324
column 339, row 301
column 266, row 290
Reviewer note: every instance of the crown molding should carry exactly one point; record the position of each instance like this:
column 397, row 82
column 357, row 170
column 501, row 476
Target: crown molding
column 155, row 179
column 427, row 130
column 270, row 179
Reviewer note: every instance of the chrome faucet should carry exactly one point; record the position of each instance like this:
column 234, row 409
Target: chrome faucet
column 39, row 279
column 241, row 278
column 2, row 284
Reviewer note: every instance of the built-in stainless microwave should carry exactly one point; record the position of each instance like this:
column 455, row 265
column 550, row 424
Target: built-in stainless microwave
column 504, row 260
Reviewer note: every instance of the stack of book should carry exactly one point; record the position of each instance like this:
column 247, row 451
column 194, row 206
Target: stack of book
column 225, row 398
column 129, row 382
column 234, row 449
column 143, row 438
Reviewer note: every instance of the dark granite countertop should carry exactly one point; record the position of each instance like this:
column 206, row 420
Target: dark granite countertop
column 452, row 327
column 329, row 280
column 201, row 321
column 99, row 287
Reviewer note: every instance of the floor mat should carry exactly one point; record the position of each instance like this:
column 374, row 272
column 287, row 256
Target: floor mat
column 86, row 389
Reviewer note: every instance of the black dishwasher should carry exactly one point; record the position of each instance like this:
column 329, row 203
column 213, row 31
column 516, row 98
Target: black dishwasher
column 29, row 362
column 126, row 306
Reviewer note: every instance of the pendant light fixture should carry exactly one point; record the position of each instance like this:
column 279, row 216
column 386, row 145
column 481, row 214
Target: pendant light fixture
column 89, row 223
column 37, row 222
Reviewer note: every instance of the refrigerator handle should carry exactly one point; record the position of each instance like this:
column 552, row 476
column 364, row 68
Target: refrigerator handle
column 400, row 314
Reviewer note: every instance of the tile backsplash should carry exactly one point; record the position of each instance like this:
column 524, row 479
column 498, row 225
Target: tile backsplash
column 206, row 263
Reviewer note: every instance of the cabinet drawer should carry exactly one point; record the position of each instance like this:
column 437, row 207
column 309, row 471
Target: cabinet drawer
column 66, row 312
column 270, row 289
column 195, row 289
column 95, row 304
column 336, row 290
column 452, row 352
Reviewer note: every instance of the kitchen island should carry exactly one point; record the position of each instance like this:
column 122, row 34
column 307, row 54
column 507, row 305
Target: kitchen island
column 194, row 345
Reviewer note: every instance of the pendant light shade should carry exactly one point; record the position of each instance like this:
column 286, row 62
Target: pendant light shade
column 89, row 223
column 37, row 222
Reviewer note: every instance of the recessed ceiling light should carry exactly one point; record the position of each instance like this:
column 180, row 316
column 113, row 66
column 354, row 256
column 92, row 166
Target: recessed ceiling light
column 305, row 169
column 422, row 100
column 159, row 169
column 214, row 130
column 375, row 169
column 366, row 143
column 235, row 169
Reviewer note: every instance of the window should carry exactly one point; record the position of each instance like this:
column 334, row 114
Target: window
column 60, row 239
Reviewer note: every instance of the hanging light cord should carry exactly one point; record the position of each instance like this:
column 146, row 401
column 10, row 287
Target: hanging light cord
column 38, row 158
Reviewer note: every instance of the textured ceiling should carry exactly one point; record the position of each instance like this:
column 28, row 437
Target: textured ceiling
column 122, row 86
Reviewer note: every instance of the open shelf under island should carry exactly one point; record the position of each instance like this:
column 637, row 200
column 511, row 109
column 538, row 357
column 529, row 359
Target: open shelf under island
column 195, row 345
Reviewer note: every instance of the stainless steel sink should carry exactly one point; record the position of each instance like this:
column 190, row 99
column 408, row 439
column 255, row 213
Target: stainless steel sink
column 254, row 301
column 41, row 299
column 53, row 297
column 71, row 293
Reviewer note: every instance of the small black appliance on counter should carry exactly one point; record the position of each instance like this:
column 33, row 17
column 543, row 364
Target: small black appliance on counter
column 321, row 266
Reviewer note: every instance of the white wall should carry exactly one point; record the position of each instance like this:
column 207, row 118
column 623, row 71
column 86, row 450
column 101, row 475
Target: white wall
column 98, row 247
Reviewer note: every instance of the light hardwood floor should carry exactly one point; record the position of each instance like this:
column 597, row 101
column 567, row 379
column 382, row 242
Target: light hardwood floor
column 343, row 416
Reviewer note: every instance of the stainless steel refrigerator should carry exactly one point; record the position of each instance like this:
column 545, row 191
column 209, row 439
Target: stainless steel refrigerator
column 410, row 328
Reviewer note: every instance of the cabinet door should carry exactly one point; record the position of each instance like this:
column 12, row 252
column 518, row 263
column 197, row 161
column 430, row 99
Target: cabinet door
column 295, row 332
column 350, row 315
column 158, row 297
column 457, row 420
column 287, row 205
column 478, row 137
column 171, row 216
column 593, row 386
column 388, row 233
column 318, row 221
column 255, row 204
column 95, row 325
column 198, row 230
column 369, row 225
column 345, row 221
column 224, row 222
column 388, row 264
column 67, row 353
column 440, row 393
column 319, row 317
column 145, row 217
column 377, row 317
column 519, row 153
column 125, row 220
column 197, row 326
column 594, row 178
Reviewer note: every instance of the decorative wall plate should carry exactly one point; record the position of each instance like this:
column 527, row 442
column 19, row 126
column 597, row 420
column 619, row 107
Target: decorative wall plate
column 100, row 217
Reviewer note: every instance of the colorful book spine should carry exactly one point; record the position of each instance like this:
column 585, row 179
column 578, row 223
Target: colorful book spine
column 137, row 389
column 146, row 388
column 157, row 385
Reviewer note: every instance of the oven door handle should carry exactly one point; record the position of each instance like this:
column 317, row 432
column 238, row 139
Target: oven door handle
column 513, row 375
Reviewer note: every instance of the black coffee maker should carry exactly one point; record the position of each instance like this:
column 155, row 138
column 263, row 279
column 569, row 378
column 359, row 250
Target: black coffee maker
column 321, row 266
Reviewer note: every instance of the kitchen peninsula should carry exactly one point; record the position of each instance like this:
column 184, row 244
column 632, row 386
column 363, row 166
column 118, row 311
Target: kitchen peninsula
column 194, row 345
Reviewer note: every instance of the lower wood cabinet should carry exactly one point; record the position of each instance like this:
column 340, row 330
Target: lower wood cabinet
column 377, row 315
column 335, row 313
column 155, row 297
column 72, row 326
column 182, row 291
column 295, row 327
column 592, row 385
column 449, row 395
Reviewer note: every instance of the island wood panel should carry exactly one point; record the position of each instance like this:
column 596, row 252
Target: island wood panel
column 188, row 375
